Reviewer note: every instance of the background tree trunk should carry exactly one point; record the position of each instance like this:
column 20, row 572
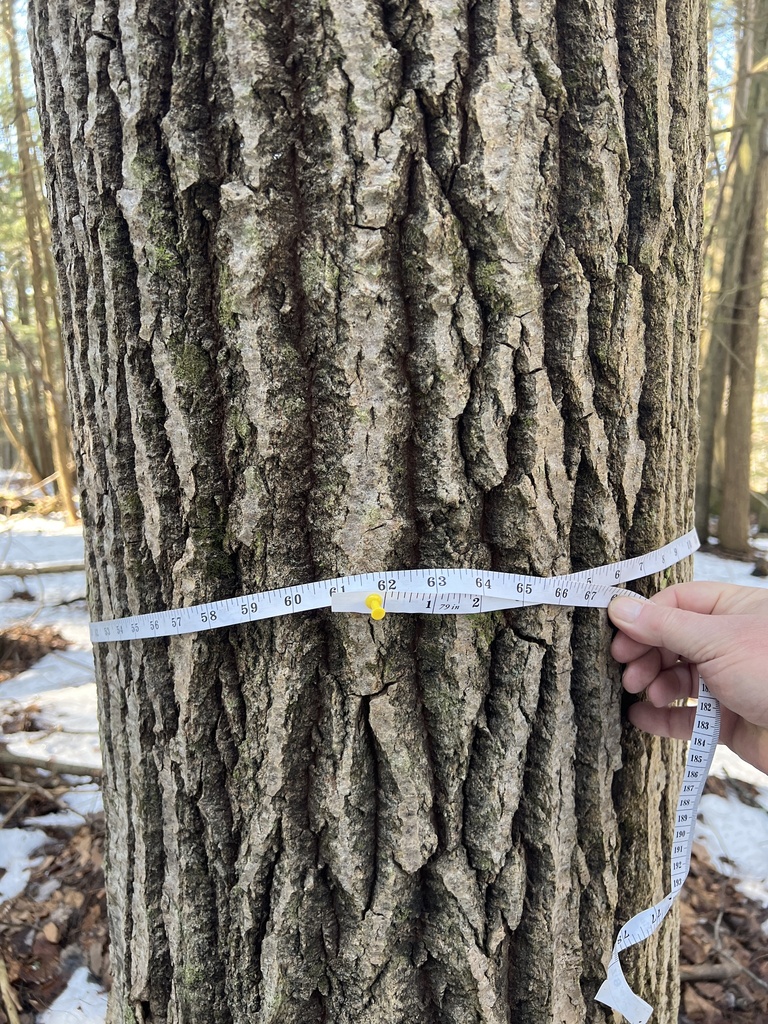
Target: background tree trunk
column 724, row 244
column 357, row 286
column 29, row 384
column 729, row 349
column 733, row 530
column 44, row 303
column 20, row 433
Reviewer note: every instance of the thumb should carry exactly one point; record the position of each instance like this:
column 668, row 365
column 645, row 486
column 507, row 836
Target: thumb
column 688, row 634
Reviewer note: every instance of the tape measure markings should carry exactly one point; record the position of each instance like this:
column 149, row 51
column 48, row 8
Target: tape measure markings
column 472, row 591
column 615, row 992
column 589, row 587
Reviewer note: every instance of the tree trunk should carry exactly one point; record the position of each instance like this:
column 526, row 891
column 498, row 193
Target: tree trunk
column 733, row 531
column 350, row 287
column 24, row 386
column 722, row 270
column 17, row 425
column 18, row 428
column 32, row 388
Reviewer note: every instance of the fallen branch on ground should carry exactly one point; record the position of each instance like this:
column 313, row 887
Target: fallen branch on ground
column 44, row 568
column 709, row 972
column 48, row 764
column 9, row 998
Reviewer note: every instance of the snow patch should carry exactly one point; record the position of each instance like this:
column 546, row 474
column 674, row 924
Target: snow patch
column 712, row 569
column 56, row 819
column 70, row 748
column 736, row 838
column 85, row 799
column 58, row 669
column 82, row 1002
column 16, row 847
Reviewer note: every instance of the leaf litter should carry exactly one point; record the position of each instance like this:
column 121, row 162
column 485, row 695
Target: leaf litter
column 58, row 922
column 723, row 945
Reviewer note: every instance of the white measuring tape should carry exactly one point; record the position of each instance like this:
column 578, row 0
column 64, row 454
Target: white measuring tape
column 468, row 592
column 615, row 992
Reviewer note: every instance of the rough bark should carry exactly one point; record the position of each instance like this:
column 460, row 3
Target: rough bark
column 357, row 286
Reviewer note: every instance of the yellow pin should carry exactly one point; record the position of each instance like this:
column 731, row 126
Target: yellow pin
column 373, row 601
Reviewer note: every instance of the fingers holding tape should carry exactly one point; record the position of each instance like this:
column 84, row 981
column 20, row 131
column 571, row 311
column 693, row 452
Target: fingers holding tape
column 675, row 723
column 677, row 683
column 641, row 673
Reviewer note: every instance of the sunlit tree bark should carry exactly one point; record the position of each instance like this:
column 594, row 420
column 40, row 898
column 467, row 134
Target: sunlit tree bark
column 347, row 287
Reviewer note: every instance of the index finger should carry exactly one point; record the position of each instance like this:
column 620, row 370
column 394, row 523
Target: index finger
column 703, row 598
column 625, row 650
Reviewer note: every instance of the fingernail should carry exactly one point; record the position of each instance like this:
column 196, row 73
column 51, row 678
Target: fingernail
column 625, row 609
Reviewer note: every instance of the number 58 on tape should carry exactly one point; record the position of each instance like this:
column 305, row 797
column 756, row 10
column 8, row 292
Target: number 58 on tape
column 467, row 592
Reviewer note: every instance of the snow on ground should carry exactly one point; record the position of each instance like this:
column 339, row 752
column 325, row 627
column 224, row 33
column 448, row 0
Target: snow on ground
column 62, row 683
column 37, row 539
column 81, row 1002
column 16, row 848
column 62, row 686
column 724, row 570
column 735, row 835
column 56, row 599
column 736, row 838
column 82, row 801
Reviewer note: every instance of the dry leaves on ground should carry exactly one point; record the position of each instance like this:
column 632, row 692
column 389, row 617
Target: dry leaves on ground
column 724, row 940
column 59, row 923
column 23, row 646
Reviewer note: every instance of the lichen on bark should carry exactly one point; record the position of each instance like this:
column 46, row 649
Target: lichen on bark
column 358, row 287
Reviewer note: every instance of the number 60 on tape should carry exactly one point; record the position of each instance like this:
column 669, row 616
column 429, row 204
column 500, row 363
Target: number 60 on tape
column 467, row 592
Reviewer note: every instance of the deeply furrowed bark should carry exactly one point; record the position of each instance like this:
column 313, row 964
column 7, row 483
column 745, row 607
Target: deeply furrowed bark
column 368, row 286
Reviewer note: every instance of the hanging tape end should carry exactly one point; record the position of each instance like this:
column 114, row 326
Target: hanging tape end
column 373, row 601
column 616, row 994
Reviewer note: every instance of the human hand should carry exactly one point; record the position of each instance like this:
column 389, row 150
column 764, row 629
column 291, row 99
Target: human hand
column 716, row 630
